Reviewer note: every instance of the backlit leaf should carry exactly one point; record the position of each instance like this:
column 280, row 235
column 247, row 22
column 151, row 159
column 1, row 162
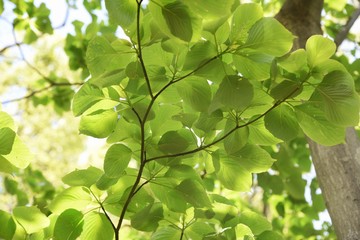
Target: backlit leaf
column 96, row 226
column 338, row 98
column 69, row 225
column 255, row 221
column 8, row 226
column 234, row 93
column 199, row 54
column 116, row 160
column 243, row 18
column 270, row 37
column 194, row 193
column 82, row 177
column 30, row 218
column 74, row 197
column 173, row 142
column 315, row 125
column 147, row 218
column 195, row 92
column 121, row 12
column 319, row 49
column 98, row 124
column 282, row 123
column 166, row 233
column 7, row 137
column 233, row 175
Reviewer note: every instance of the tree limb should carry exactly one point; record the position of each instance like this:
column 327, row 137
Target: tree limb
column 341, row 36
column 34, row 92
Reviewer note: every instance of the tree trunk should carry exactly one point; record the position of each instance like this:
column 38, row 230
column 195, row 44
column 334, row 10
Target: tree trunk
column 337, row 167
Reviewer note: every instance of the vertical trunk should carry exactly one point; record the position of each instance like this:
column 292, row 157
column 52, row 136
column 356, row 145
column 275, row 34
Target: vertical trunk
column 337, row 167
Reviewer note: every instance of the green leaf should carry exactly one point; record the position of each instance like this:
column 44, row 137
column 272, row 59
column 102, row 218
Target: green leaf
column 166, row 233
column 243, row 18
column 7, row 137
column 1, row 6
column 315, row 125
column 319, row 49
column 268, row 36
column 173, row 142
column 194, row 193
column 243, row 231
column 338, row 98
column 8, row 226
column 253, row 66
column 237, row 139
column 210, row 8
column 90, row 99
column 207, row 122
column 101, row 57
column 20, row 156
column 254, row 159
column 164, row 190
column 69, row 225
column 147, row 218
column 178, row 20
column 122, row 12
column 258, row 134
column 199, row 230
column 96, row 226
column 175, row 18
column 116, row 160
column 30, row 218
column 74, row 197
column 295, row 186
column 284, row 89
column 294, row 62
column 282, row 122
column 105, row 182
column 195, row 92
column 6, row 121
column 255, row 221
column 232, row 174
column 234, row 93
column 270, row 235
column 200, row 53
column 83, row 177
column 98, row 124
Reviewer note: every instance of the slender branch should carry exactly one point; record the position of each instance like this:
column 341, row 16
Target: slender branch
column 228, row 133
column 341, row 36
column 34, row 92
column 128, row 200
column 139, row 50
column 102, row 207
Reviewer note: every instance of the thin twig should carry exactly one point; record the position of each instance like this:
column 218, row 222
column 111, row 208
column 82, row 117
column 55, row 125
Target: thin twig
column 342, row 34
column 228, row 133
column 139, row 50
column 34, row 92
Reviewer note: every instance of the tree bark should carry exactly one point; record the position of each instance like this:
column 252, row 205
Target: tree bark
column 337, row 167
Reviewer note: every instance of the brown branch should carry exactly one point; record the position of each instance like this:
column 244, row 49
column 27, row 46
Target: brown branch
column 34, row 92
column 342, row 34
column 277, row 103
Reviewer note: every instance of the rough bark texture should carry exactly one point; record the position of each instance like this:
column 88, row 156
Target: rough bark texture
column 337, row 167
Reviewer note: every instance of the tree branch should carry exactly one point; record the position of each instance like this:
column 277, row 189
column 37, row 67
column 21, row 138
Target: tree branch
column 342, row 34
column 34, row 92
column 230, row 132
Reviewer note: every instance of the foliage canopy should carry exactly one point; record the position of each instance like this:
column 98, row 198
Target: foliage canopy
column 196, row 103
